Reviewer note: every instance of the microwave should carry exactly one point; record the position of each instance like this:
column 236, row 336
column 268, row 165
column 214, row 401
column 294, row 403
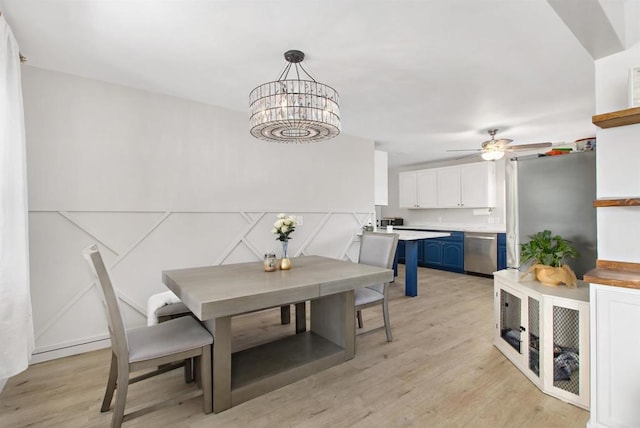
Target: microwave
column 391, row 221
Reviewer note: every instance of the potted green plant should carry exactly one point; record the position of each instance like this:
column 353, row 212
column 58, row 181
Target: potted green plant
column 548, row 253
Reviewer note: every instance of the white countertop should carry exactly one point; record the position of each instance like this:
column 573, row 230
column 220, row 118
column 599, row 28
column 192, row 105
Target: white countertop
column 411, row 235
column 514, row 276
column 459, row 227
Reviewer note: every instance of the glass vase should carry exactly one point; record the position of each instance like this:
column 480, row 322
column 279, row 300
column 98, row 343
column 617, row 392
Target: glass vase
column 285, row 263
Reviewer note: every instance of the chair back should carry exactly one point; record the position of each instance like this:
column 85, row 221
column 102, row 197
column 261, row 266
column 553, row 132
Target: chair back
column 378, row 249
column 117, row 331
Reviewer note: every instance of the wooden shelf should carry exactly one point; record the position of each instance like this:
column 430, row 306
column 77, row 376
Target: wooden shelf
column 624, row 117
column 617, row 274
column 620, row 202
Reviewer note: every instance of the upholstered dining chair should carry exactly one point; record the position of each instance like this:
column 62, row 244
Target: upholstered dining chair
column 143, row 348
column 376, row 249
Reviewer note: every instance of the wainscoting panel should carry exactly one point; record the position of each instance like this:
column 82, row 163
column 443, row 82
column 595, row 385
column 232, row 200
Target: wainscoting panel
column 138, row 246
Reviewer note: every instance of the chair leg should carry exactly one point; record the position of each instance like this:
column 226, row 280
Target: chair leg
column 121, row 398
column 111, row 384
column 359, row 316
column 387, row 324
column 188, row 370
column 285, row 314
column 206, row 379
column 197, row 370
column 301, row 317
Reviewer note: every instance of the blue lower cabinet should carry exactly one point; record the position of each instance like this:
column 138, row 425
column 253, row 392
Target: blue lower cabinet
column 439, row 253
column 453, row 256
column 432, row 254
column 502, row 251
column 444, row 253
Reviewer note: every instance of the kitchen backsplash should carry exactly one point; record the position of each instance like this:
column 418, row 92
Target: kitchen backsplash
column 446, row 216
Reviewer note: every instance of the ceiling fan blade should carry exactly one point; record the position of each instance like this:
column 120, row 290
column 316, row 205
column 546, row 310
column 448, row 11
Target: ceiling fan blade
column 527, row 146
column 465, row 150
column 499, row 142
column 503, row 142
column 467, row 156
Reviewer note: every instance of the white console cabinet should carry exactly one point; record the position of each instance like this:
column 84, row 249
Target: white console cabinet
column 544, row 331
column 616, row 371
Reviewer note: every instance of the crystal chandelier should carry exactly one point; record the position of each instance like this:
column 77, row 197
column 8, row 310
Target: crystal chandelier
column 294, row 110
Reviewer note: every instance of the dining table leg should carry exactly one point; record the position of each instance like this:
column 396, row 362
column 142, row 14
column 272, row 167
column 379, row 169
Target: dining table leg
column 334, row 318
column 220, row 328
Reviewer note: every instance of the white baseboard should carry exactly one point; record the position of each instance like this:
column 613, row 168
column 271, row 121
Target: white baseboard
column 66, row 350
column 591, row 423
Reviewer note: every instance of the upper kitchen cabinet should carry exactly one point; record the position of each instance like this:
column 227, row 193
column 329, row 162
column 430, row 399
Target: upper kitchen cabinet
column 467, row 186
column 418, row 189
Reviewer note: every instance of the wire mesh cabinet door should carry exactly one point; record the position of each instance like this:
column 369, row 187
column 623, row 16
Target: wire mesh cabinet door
column 566, row 349
column 518, row 328
column 511, row 325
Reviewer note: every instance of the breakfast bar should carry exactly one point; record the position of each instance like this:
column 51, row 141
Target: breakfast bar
column 411, row 239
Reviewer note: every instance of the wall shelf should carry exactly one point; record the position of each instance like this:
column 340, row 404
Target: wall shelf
column 624, row 117
column 616, row 202
column 617, row 274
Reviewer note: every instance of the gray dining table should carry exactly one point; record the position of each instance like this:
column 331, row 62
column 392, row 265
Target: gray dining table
column 215, row 294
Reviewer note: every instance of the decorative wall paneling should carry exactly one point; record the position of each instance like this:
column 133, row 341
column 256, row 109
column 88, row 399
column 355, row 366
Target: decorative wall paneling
column 138, row 245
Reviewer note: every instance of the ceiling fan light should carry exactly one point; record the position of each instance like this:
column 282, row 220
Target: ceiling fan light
column 492, row 155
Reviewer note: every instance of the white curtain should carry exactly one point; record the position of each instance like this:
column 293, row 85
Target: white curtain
column 16, row 321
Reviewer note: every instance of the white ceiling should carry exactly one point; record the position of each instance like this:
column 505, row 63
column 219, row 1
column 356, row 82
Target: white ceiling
column 417, row 77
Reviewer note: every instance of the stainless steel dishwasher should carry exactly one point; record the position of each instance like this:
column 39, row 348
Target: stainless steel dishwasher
column 480, row 252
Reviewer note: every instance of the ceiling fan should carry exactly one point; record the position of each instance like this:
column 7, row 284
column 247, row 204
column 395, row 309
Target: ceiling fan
column 494, row 149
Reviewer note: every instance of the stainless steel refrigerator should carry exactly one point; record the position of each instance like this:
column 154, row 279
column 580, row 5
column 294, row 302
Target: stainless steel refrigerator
column 555, row 193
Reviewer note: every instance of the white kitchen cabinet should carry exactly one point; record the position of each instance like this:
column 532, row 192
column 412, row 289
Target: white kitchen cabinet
column 460, row 186
column 467, row 186
column 478, row 185
column 418, row 189
column 544, row 332
column 616, row 370
column 448, row 180
column 408, row 191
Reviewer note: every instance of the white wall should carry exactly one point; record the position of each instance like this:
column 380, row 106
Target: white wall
column 618, row 152
column 160, row 183
column 614, row 310
column 381, row 178
column 463, row 216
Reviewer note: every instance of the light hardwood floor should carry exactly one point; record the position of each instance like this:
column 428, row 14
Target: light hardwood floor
column 441, row 370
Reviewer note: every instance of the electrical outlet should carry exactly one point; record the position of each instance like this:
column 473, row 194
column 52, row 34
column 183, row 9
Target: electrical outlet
column 300, row 220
